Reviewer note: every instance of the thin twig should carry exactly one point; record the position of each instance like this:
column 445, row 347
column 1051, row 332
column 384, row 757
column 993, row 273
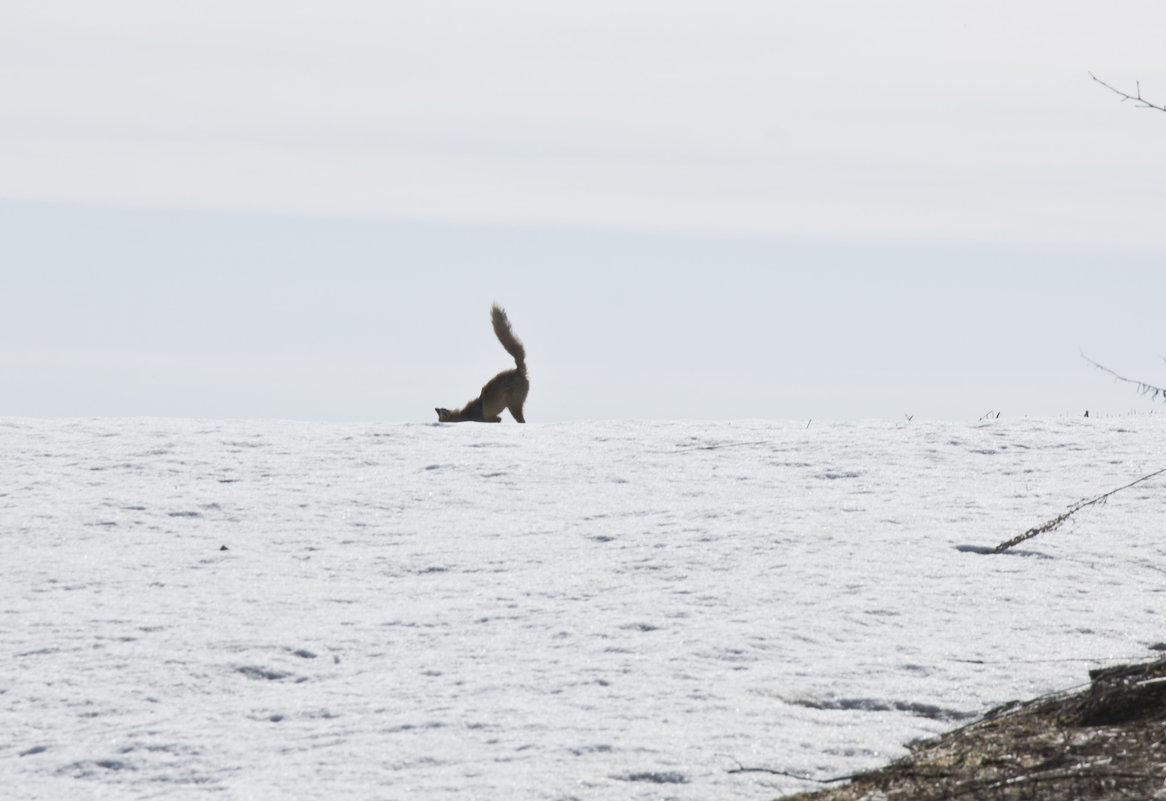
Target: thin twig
column 1137, row 98
column 720, row 445
column 1143, row 387
column 801, row 777
column 1061, row 518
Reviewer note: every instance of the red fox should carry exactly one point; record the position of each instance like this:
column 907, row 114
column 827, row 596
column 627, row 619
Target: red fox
column 507, row 390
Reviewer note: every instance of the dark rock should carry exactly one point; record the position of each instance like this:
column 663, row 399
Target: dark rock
column 1098, row 744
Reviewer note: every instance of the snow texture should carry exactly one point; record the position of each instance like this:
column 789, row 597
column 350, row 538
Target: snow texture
column 273, row 610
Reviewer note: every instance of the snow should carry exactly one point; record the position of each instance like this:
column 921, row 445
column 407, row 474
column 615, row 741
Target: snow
column 550, row 611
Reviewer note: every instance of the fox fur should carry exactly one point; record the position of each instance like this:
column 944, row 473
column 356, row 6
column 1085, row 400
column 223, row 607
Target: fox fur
column 507, row 390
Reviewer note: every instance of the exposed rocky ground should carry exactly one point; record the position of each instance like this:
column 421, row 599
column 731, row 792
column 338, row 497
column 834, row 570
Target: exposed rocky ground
column 1104, row 742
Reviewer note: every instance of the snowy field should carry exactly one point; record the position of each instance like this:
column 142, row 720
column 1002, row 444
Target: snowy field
column 606, row 610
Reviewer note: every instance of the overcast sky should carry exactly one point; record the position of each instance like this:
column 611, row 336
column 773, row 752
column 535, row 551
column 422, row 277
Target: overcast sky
column 691, row 209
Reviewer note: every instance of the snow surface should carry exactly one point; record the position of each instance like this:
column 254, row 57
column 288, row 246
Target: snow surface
column 586, row 610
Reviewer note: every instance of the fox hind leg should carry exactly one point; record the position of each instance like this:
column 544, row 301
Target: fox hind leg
column 516, row 410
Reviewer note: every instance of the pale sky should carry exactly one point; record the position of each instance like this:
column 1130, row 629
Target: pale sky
column 690, row 209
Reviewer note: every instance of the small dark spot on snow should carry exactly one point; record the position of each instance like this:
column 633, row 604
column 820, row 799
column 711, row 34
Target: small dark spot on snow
column 39, row 652
column 640, row 627
column 656, row 777
column 260, row 673
column 404, row 727
column 831, row 476
column 592, row 749
column 36, row 749
column 113, row 764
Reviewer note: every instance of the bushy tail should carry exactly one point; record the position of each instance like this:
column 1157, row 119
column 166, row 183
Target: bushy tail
column 512, row 344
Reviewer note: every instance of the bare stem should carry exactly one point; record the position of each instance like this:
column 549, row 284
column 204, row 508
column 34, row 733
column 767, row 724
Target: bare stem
column 1146, row 389
column 1061, row 518
column 1137, row 98
column 802, row 777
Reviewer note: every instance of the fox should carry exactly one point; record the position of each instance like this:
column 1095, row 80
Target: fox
column 507, row 390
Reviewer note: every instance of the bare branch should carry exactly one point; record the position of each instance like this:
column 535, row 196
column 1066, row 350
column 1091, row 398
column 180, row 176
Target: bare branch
column 1143, row 388
column 800, row 776
column 1137, row 98
column 1061, row 518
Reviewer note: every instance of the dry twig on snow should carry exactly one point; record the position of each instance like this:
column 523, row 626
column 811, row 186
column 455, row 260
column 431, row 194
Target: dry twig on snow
column 1061, row 518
